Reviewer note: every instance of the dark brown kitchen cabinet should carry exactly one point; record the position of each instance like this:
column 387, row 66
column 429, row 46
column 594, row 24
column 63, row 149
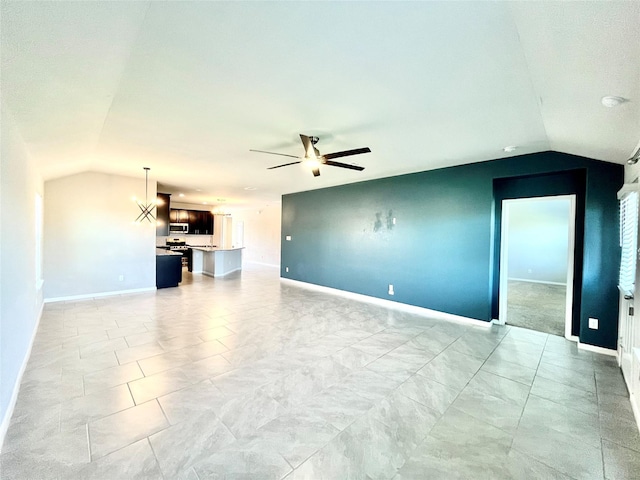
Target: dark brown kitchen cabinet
column 200, row 222
column 179, row 216
column 162, row 214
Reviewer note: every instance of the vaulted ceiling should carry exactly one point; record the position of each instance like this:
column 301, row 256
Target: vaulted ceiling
column 187, row 88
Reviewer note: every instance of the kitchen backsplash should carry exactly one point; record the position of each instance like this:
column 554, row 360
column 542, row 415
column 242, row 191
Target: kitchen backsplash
column 190, row 239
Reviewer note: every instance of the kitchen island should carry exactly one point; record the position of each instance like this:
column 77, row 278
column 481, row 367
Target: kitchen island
column 215, row 261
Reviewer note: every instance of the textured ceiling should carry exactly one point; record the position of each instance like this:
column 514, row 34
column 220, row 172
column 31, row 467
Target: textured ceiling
column 187, row 88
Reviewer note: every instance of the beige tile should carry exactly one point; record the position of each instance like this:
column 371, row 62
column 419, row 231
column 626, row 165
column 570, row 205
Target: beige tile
column 110, row 377
column 111, row 433
column 157, row 385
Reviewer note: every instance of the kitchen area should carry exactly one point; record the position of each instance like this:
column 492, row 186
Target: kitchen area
column 191, row 239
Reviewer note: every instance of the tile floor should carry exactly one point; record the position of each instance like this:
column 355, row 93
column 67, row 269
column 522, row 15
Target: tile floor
column 245, row 377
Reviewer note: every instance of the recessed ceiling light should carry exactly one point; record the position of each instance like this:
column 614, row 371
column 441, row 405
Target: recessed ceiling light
column 181, row 195
column 204, row 203
column 250, row 188
column 510, row 148
column 612, row 101
column 198, row 190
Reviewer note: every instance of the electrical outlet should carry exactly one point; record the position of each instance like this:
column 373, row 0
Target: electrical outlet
column 286, row 269
column 288, row 238
column 391, row 292
column 121, row 278
column 394, row 220
column 593, row 323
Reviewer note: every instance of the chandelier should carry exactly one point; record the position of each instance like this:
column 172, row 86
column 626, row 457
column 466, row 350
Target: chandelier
column 146, row 208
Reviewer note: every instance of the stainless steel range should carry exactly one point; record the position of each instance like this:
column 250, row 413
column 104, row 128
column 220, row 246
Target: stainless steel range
column 179, row 246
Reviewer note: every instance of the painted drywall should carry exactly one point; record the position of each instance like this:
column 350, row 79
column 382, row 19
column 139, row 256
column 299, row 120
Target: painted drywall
column 20, row 292
column 538, row 240
column 432, row 235
column 261, row 233
column 90, row 240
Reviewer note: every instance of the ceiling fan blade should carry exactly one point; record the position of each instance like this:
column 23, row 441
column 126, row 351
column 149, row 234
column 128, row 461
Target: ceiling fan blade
column 284, row 165
column 343, row 165
column 316, row 172
column 346, row 153
column 274, row 153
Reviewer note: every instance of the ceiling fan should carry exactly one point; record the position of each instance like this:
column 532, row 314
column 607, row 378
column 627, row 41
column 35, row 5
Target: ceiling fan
column 313, row 157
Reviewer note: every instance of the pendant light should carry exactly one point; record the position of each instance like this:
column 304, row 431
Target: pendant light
column 146, row 208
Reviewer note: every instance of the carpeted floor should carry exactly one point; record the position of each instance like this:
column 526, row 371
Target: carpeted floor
column 537, row 306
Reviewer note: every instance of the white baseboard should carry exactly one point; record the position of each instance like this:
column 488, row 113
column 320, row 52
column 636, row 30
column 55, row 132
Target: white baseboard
column 635, row 406
column 425, row 312
column 98, row 295
column 601, row 350
column 213, row 275
column 4, row 426
column 544, row 282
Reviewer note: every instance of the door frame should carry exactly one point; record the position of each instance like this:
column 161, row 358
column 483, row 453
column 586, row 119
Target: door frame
column 504, row 264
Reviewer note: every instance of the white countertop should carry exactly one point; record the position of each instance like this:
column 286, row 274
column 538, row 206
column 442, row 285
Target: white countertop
column 161, row 252
column 216, row 249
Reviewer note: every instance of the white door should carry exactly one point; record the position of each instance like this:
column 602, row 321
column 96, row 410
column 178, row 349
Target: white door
column 536, row 262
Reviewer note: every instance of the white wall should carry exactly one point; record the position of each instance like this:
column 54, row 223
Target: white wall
column 538, row 239
column 90, row 237
column 261, row 233
column 20, row 298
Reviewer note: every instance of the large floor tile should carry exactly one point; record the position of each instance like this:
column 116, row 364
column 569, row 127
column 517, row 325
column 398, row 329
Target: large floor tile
column 565, row 395
column 116, row 431
column 429, row 393
column 135, row 462
column 620, row 463
column 182, row 445
column 560, row 451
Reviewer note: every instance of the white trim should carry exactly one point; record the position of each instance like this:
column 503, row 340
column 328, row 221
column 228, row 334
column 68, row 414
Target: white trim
column 568, row 308
column 504, row 267
column 636, row 409
column 593, row 348
column 537, row 281
column 97, row 295
column 628, row 188
column 4, row 426
column 209, row 274
column 390, row 304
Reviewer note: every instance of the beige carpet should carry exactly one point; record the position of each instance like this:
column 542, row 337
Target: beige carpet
column 537, row 306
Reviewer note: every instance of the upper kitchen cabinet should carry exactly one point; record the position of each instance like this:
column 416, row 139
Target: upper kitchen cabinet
column 178, row 216
column 162, row 214
column 200, row 222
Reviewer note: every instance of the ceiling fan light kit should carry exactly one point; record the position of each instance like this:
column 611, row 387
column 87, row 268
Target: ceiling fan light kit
column 313, row 159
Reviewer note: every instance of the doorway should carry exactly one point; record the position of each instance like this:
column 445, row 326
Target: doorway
column 537, row 263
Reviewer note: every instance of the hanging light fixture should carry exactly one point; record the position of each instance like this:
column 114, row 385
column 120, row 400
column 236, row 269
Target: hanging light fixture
column 146, row 208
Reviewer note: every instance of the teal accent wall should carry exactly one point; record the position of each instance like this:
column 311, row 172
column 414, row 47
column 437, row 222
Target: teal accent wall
column 441, row 252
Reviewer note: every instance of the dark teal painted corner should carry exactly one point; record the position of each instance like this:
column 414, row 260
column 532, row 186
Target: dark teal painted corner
column 440, row 252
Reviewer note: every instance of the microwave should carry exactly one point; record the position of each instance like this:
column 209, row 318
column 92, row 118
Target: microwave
column 178, row 228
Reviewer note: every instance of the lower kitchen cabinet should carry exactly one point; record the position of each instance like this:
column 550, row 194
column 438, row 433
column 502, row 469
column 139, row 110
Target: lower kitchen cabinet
column 168, row 270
